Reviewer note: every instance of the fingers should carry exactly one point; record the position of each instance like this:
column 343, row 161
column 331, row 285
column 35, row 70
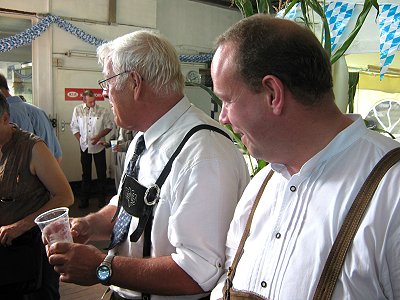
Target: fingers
column 5, row 238
column 59, row 248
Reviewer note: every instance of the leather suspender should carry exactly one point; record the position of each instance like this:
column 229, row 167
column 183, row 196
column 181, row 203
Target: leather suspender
column 348, row 230
column 164, row 174
column 161, row 179
column 239, row 251
column 334, row 263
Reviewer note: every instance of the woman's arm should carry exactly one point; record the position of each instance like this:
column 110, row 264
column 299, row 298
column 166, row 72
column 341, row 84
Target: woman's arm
column 45, row 167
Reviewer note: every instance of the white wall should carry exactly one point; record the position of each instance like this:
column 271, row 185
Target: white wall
column 193, row 26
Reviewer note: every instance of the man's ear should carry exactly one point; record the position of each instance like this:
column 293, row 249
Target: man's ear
column 136, row 78
column 275, row 91
column 5, row 118
column 136, row 81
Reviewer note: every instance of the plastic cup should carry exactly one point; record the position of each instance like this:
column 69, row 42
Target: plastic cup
column 55, row 226
column 114, row 143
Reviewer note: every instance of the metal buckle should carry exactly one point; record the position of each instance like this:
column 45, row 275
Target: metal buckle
column 153, row 190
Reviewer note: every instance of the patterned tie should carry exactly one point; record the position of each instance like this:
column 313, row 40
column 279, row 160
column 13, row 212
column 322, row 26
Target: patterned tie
column 121, row 226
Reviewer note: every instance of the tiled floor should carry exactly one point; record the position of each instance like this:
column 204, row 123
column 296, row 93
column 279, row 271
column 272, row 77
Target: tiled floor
column 70, row 291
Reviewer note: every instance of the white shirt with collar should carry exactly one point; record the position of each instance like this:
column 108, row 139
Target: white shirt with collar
column 198, row 197
column 299, row 216
column 90, row 121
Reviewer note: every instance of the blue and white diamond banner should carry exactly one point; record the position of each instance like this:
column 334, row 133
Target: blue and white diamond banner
column 291, row 14
column 389, row 26
column 26, row 37
column 338, row 15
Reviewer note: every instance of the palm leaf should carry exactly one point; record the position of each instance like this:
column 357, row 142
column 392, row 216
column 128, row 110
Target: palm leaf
column 360, row 21
column 245, row 7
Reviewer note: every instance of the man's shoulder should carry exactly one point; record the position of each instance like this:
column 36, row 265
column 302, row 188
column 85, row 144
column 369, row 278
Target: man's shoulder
column 34, row 109
column 101, row 109
column 14, row 100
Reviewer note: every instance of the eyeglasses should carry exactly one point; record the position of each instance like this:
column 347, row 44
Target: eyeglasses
column 104, row 83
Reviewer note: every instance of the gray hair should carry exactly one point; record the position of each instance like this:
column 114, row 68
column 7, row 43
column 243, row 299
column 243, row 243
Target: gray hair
column 149, row 54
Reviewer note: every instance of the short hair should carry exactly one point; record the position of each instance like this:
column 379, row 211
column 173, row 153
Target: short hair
column 265, row 45
column 4, row 106
column 3, row 82
column 149, row 54
column 88, row 93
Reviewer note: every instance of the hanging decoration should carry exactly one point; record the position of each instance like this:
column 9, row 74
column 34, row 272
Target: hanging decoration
column 26, row 37
column 338, row 15
column 389, row 25
column 292, row 14
column 196, row 58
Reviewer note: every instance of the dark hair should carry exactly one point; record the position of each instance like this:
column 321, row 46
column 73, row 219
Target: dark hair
column 3, row 82
column 88, row 93
column 4, row 107
column 272, row 46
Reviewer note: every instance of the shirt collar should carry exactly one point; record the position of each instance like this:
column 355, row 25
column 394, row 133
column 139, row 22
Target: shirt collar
column 89, row 108
column 166, row 121
column 14, row 99
column 343, row 140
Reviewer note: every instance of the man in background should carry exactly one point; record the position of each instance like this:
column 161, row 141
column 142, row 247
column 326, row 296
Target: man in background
column 31, row 118
column 123, row 138
column 90, row 124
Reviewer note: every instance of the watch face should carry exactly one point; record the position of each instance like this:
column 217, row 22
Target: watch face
column 103, row 273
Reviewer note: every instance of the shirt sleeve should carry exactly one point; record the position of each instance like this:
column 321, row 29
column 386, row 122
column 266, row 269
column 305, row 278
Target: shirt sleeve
column 74, row 122
column 108, row 119
column 204, row 190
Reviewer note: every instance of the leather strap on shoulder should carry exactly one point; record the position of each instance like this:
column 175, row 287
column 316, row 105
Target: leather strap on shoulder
column 239, row 251
column 334, row 263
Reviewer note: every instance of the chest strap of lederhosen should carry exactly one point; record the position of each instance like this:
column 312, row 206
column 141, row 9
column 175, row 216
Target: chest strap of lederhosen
column 239, row 251
column 161, row 179
column 334, row 263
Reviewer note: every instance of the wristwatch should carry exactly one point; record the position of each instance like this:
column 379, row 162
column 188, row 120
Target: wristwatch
column 104, row 271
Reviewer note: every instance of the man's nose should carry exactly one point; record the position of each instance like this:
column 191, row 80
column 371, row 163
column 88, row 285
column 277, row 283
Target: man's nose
column 223, row 116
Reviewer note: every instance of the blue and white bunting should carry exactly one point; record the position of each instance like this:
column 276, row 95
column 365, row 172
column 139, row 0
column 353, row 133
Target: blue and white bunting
column 338, row 15
column 26, row 38
column 389, row 26
column 292, row 14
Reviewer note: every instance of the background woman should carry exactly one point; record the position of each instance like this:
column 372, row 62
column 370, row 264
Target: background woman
column 31, row 182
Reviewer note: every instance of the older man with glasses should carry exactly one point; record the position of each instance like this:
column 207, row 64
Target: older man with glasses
column 183, row 178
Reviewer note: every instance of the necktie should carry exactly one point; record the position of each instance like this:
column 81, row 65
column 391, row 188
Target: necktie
column 121, row 226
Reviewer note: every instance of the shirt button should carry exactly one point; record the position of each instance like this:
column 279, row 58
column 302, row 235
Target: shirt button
column 263, row 284
column 292, row 188
column 278, row 235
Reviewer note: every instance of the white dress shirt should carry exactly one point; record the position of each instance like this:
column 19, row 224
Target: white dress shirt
column 299, row 216
column 90, row 121
column 198, row 198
